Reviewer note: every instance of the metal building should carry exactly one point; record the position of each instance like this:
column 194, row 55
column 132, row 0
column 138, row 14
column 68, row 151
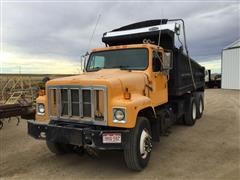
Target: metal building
column 231, row 66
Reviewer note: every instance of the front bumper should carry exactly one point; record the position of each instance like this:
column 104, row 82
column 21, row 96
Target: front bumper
column 75, row 134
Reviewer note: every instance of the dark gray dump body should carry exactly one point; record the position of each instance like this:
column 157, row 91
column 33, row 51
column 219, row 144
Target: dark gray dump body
column 180, row 80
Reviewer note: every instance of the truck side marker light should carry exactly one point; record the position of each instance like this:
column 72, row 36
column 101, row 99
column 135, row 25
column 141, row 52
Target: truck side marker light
column 126, row 94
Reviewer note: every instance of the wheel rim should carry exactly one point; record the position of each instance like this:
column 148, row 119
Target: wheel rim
column 200, row 106
column 194, row 111
column 145, row 144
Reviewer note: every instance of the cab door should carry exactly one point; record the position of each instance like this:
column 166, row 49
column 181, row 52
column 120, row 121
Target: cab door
column 159, row 92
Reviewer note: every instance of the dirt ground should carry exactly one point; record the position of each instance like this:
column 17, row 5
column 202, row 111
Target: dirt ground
column 209, row 150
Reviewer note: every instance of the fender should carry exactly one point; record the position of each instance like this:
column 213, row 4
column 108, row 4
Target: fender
column 42, row 118
column 133, row 106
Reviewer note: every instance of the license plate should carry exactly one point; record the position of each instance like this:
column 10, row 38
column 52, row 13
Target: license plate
column 112, row 138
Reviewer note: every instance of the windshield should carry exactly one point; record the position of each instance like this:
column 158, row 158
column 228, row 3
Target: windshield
column 133, row 59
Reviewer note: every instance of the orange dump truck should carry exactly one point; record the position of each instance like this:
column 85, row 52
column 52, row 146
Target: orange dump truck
column 131, row 92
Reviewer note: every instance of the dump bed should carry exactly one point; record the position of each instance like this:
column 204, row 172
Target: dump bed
column 180, row 80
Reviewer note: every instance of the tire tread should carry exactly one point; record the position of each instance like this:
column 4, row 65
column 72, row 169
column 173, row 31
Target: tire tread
column 129, row 151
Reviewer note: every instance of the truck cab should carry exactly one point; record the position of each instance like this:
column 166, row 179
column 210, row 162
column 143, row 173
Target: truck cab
column 121, row 101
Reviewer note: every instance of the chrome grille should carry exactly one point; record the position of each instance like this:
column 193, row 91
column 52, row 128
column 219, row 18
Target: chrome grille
column 84, row 104
column 86, row 98
column 64, row 102
column 75, row 102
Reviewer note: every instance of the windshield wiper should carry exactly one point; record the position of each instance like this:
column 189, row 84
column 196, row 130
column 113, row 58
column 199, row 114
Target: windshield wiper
column 94, row 69
column 122, row 67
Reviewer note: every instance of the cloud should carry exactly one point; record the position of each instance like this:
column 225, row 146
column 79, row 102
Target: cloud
column 22, row 63
column 61, row 31
column 212, row 64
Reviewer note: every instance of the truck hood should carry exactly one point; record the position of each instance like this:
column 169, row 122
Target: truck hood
column 116, row 78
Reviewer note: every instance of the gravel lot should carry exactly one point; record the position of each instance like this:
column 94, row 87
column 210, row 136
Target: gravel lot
column 210, row 149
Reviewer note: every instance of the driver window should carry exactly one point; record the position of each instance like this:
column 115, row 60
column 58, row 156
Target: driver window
column 156, row 61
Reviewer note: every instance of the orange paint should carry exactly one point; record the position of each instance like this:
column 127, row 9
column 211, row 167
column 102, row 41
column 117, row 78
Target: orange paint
column 146, row 88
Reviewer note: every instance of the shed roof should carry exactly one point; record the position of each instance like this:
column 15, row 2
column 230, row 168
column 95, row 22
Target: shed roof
column 234, row 44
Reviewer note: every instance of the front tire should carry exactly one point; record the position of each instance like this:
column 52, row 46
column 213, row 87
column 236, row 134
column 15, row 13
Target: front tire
column 138, row 148
column 1, row 124
column 58, row 148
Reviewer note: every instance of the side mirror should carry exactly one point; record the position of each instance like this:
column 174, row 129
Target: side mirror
column 84, row 60
column 162, row 64
column 167, row 63
column 157, row 62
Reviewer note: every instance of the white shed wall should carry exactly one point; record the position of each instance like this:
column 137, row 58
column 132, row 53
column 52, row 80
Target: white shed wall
column 231, row 68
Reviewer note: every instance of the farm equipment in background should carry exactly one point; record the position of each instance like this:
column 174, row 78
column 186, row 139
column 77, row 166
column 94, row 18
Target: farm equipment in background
column 212, row 80
column 18, row 106
column 19, row 100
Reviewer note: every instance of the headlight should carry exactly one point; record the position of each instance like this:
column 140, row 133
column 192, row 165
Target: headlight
column 41, row 109
column 119, row 115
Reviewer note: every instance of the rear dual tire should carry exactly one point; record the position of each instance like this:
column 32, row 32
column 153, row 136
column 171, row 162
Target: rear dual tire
column 194, row 109
column 200, row 106
column 190, row 116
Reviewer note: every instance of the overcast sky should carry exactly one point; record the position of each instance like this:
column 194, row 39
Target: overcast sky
column 50, row 36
